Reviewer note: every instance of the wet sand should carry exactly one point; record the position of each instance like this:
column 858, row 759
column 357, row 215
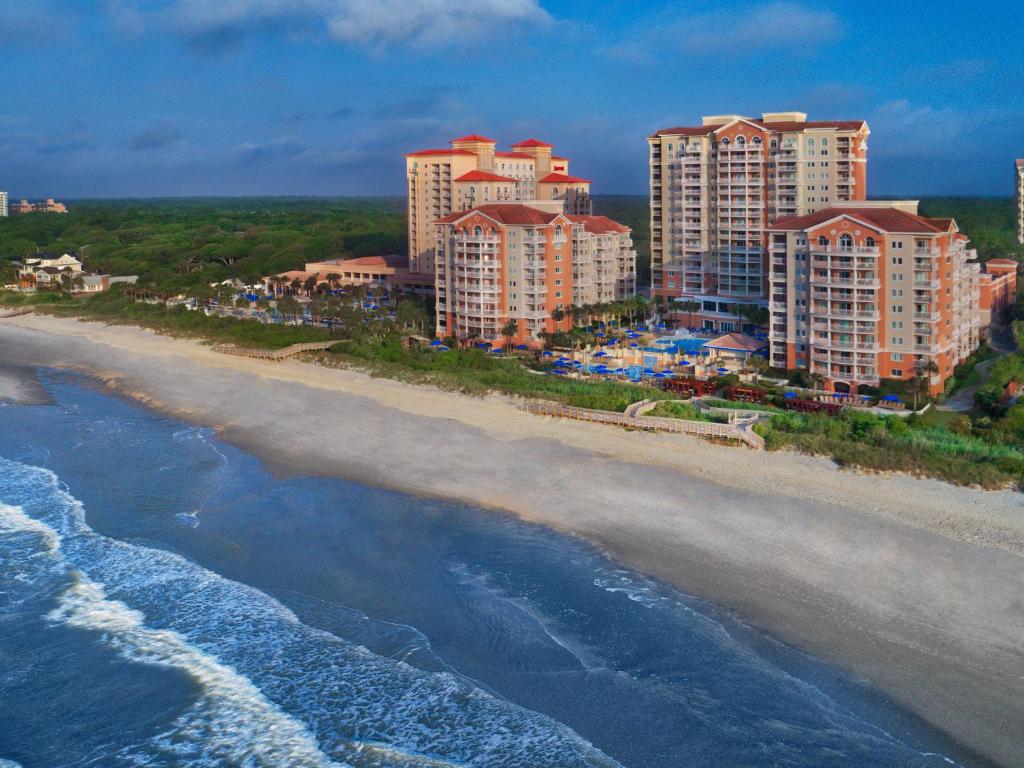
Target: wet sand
column 914, row 586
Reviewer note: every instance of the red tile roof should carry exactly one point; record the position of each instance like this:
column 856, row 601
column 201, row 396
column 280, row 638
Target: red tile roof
column 511, row 213
column 521, row 155
column 482, row 176
column 389, row 260
column 737, row 342
column 532, row 143
column 473, row 137
column 1020, row 163
column 706, row 130
column 885, row 219
column 440, row 152
column 561, row 178
column 556, row 157
column 599, row 225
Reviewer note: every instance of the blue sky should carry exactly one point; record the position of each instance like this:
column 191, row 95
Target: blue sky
column 192, row 97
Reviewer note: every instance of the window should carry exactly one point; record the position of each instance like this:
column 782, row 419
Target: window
column 558, row 230
column 845, row 241
column 822, row 240
column 897, row 373
column 810, row 146
column 869, row 242
column 897, row 356
column 477, row 230
column 741, row 141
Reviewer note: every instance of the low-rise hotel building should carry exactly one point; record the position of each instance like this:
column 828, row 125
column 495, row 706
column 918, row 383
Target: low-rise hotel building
column 871, row 290
column 506, row 263
column 717, row 187
column 998, row 286
column 472, row 172
column 49, row 205
column 3, row 203
column 388, row 272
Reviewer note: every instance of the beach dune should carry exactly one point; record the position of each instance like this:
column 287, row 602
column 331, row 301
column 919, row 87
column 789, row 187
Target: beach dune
column 914, row 586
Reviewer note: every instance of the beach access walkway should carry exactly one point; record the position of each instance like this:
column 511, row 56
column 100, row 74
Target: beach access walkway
column 740, row 430
column 16, row 313
column 274, row 354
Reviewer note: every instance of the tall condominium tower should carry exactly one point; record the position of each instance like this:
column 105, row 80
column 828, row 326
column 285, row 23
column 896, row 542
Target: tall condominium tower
column 717, row 187
column 507, row 271
column 471, row 173
column 865, row 291
column 1020, row 201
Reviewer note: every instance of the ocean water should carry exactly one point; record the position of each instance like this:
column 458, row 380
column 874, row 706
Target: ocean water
column 165, row 601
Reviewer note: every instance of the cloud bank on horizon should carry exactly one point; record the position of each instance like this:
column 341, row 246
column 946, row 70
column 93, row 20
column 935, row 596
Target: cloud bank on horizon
column 179, row 97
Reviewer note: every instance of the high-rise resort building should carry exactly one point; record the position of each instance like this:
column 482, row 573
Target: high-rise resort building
column 1020, row 201
column 863, row 291
column 508, row 272
column 3, row 203
column 472, row 172
column 716, row 188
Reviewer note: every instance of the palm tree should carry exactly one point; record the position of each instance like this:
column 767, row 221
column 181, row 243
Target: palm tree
column 922, row 381
column 509, row 331
column 689, row 306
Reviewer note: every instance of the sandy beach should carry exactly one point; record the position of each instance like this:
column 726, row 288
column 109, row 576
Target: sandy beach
column 912, row 585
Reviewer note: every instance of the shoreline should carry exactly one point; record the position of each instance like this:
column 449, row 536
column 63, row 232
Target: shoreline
column 910, row 585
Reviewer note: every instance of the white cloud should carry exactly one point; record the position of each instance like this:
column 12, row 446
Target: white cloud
column 734, row 31
column 368, row 23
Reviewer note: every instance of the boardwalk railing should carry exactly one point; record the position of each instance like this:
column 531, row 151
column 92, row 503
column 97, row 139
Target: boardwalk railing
column 273, row 354
column 741, row 433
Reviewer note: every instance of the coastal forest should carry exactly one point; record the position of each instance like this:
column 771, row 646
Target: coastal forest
column 177, row 244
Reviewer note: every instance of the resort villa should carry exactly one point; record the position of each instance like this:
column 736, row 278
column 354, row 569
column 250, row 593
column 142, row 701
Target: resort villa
column 388, row 272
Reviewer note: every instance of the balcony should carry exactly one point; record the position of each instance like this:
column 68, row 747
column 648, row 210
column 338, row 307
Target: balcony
column 929, row 316
column 927, row 285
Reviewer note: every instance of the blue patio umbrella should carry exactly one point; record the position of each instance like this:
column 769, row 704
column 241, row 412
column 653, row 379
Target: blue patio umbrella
column 482, row 345
column 576, row 364
column 667, row 371
column 435, row 343
column 685, row 362
column 548, row 353
column 891, row 399
column 496, row 350
column 648, row 371
column 521, row 346
column 443, row 348
column 634, row 345
column 613, row 341
column 722, row 370
column 790, row 394
column 600, row 335
column 601, row 354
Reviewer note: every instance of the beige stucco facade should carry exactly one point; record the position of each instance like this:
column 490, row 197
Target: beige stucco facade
column 473, row 172
column 717, row 187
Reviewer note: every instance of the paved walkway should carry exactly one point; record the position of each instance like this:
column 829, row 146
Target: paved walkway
column 1002, row 342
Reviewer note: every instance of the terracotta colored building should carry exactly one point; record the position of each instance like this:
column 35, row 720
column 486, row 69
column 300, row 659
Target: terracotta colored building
column 387, row 271
column 998, row 285
column 49, row 205
column 716, row 188
column 511, row 262
column 471, row 173
column 869, row 291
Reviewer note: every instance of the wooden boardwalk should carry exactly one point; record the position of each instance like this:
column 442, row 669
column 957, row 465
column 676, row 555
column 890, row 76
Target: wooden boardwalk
column 274, row 354
column 707, row 429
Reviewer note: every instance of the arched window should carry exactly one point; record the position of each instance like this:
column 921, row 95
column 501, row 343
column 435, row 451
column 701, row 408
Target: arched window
column 824, row 143
column 670, row 149
column 472, row 191
column 487, row 193
column 740, row 140
column 845, row 241
column 558, row 230
column 757, row 141
column 810, row 145
column 478, row 230
column 725, row 141
column 774, row 144
column 870, row 242
column 554, row 193
column 822, row 240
